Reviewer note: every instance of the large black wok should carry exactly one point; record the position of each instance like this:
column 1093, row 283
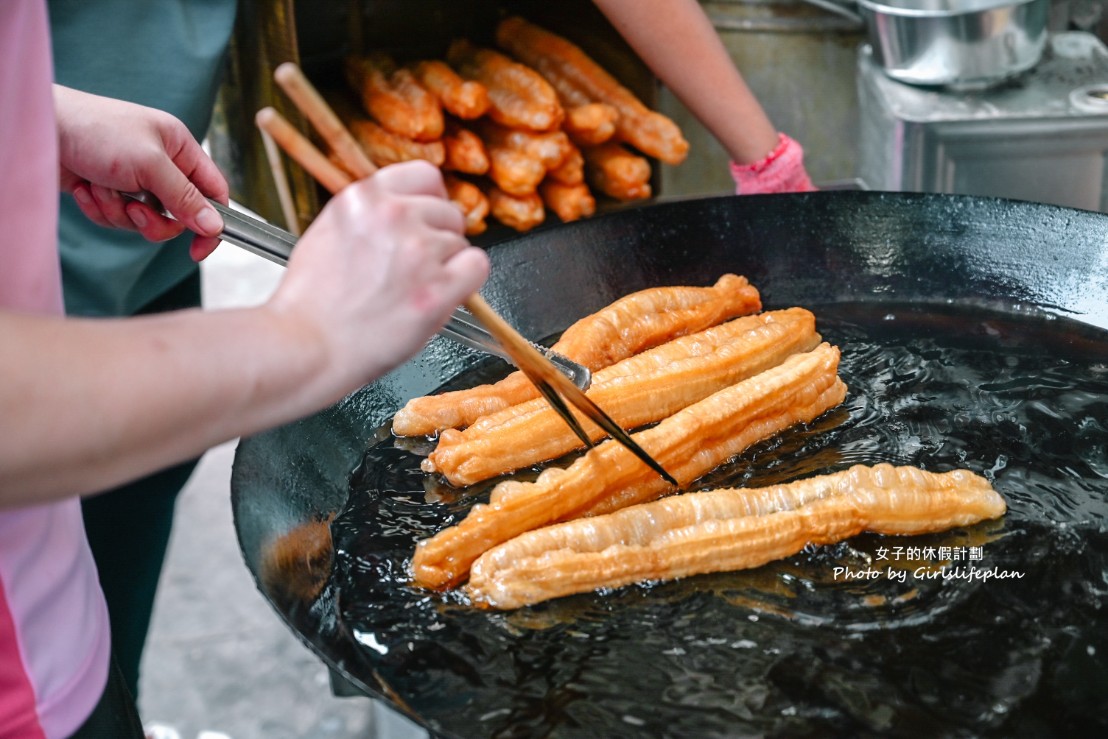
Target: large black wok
column 934, row 299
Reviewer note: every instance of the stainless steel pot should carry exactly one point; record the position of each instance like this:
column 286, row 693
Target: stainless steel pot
column 960, row 43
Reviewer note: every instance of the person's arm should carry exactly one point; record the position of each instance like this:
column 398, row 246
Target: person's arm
column 677, row 41
column 91, row 403
column 679, row 44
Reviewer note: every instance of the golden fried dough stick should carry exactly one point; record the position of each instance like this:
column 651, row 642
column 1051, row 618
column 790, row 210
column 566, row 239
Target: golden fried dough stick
column 473, row 202
column 569, row 202
column 688, row 444
column 616, row 171
column 571, row 171
column 722, row 530
column 557, row 59
column 518, row 96
column 550, row 148
column 384, row 147
column 381, row 146
column 636, row 391
column 515, row 172
column 464, row 150
column 464, row 98
column 590, row 124
column 394, row 98
column 521, row 212
column 653, row 316
column 633, row 323
column 519, row 159
column 569, row 94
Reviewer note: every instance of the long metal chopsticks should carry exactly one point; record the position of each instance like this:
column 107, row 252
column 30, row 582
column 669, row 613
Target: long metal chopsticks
column 554, row 386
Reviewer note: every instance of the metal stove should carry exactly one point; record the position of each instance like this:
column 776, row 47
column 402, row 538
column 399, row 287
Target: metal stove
column 1042, row 136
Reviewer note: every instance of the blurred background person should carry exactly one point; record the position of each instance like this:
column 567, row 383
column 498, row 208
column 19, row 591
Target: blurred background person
column 677, row 41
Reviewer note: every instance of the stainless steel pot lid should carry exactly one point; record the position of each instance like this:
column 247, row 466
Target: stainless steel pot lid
column 937, row 8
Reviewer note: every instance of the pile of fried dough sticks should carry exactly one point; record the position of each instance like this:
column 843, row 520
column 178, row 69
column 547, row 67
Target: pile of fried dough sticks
column 705, row 374
column 530, row 126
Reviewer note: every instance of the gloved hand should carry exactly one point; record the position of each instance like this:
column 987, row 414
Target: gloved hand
column 781, row 171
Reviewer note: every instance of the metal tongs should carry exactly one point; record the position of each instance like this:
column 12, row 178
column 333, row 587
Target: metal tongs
column 275, row 244
column 558, row 378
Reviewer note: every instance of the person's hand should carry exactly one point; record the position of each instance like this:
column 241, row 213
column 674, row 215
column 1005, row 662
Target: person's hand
column 109, row 146
column 379, row 270
column 782, row 170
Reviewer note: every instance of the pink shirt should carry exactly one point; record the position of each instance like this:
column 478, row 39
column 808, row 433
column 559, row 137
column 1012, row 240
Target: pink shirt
column 54, row 639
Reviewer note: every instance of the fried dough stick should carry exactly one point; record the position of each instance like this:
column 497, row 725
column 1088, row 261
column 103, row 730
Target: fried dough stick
column 550, row 148
column 521, row 212
column 569, row 202
column 384, row 147
column 381, row 146
column 473, row 203
column 616, row 171
column 635, row 391
column 688, row 444
column 590, row 124
column 464, row 150
column 519, row 159
column 394, row 98
column 515, row 172
column 631, row 324
column 558, row 59
column 518, row 96
column 571, row 171
column 569, row 95
column 729, row 529
column 464, row 98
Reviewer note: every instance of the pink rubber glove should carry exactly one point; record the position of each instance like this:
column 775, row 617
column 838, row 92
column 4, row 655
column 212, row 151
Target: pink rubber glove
column 781, row 171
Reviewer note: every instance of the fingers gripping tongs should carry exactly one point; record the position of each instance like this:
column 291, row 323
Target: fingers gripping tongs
column 558, row 378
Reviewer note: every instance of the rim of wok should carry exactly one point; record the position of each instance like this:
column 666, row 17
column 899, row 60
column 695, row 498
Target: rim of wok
column 797, row 249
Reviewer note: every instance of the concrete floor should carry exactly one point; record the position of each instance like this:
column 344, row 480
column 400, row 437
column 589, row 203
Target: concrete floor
column 219, row 663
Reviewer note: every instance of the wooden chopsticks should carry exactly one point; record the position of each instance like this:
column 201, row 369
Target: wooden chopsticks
column 301, row 150
column 281, row 180
column 554, row 386
column 308, row 100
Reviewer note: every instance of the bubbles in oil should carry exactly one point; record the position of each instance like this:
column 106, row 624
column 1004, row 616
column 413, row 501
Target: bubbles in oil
column 813, row 644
